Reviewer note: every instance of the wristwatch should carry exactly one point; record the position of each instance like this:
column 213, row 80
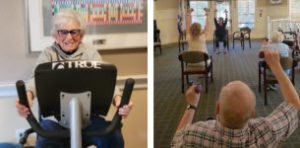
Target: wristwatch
column 190, row 106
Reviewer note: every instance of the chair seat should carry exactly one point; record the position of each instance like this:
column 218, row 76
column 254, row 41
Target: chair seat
column 157, row 44
column 195, row 69
column 271, row 78
column 286, row 64
column 184, row 41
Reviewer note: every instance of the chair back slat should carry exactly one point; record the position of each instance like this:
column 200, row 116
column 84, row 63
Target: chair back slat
column 286, row 63
column 193, row 56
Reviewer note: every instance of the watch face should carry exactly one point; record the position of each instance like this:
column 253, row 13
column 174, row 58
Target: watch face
column 191, row 107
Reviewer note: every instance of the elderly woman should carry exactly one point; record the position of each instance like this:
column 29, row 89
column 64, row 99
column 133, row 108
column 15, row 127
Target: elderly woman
column 283, row 49
column 196, row 36
column 68, row 31
column 220, row 31
column 276, row 44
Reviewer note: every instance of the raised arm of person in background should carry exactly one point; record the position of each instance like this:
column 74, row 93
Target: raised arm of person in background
column 206, row 29
column 226, row 16
column 188, row 20
column 287, row 89
column 215, row 17
column 192, row 98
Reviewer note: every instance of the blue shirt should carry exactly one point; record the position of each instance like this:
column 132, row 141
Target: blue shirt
column 283, row 49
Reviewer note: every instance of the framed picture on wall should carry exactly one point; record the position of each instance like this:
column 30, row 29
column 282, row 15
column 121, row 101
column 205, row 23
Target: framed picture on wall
column 275, row 1
column 111, row 24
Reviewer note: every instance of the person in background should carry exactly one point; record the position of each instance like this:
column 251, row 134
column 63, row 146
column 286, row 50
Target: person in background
column 276, row 44
column 283, row 49
column 265, row 43
column 68, row 30
column 236, row 125
column 196, row 36
column 220, row 32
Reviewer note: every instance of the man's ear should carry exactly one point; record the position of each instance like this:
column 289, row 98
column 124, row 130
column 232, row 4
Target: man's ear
column 217, row 108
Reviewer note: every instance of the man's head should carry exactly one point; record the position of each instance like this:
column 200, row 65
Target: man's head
column 68, row 29
column 221, row 21
column 277, row 37
column 236, row 105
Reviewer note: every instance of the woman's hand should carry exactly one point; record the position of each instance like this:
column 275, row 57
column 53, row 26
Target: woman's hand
column 125, row 110
column 23, row 110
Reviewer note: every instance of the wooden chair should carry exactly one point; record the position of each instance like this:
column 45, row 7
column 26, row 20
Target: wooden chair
column 181, row 41
column 188, row 57
column 287, row 63
column 226, row 40
column 242, row 35
column 157, row 41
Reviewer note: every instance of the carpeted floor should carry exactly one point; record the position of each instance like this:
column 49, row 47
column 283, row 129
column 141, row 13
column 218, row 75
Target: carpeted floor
column 169, row 102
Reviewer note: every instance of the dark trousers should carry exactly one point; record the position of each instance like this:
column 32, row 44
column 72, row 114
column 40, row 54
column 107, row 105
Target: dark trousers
column 220, row 39
column 113, row 140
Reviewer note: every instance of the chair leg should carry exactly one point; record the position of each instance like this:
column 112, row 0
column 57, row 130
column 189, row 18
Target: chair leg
column 250, row 42
column 160, row 48
column 233, row 43
column 179, row 46
column 182, row 83
column 243, row 44
column 227, row 42
column 187, row 79
column 265, row 94
column 206, row 84
column 259, row 79
column 211, row 73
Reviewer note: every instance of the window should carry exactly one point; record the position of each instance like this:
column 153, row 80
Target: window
column 294, row 10
column 221, row 7
column 246, row 13
column 198, row 14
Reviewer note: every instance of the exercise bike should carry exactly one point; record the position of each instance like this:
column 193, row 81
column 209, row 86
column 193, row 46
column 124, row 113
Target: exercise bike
column 72, row 91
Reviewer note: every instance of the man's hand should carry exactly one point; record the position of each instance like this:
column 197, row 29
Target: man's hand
column 192, row 97
column 125, row 110
column 22, row 110
column 272, row 58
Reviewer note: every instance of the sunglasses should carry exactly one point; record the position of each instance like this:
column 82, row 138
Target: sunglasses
column 64, row 33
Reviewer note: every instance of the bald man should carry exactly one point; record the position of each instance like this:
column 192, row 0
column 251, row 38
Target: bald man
column 235, row 125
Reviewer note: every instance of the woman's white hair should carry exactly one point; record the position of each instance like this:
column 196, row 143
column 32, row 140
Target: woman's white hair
column 66, row 16
column 277, row 36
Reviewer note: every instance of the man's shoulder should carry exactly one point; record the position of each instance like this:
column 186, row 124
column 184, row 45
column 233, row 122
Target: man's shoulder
column 203, row 125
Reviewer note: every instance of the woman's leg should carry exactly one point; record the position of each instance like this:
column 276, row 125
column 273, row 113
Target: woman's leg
column 217, row 44
column 9, row 145
column 42, row 142
column 113, row 140
column 224, row 43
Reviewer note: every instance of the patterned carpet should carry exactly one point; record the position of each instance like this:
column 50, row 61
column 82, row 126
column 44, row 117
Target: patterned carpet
column 169, row 103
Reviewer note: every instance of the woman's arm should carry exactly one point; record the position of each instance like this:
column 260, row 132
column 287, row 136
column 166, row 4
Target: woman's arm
column 206, row 29
column 226, row 16
column 215, row 18
column 188, row 20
